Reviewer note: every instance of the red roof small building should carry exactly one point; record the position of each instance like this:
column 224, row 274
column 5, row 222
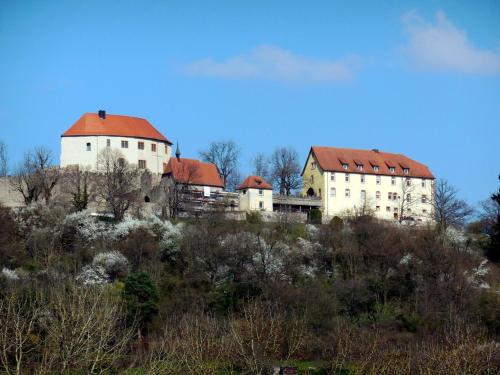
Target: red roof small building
column 254, row 182
column 114, row 125
column 193, row 172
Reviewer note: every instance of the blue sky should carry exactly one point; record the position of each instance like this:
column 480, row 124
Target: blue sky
column 413, row 77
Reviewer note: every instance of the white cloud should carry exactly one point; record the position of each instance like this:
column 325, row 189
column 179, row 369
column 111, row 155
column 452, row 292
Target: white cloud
column 442, row 46
column 274, row 63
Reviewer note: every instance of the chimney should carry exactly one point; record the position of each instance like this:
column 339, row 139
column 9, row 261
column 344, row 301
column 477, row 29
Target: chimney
column 375, row 150
column 102, row 114
column 178, row 153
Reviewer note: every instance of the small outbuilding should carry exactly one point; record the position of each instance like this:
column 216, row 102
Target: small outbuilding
column 255, row 194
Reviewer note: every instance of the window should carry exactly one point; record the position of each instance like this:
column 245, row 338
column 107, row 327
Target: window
column 332, row 177
column 377, row 208
column 121, row 162
column 313, row 165
column 408, row 181
column 406, row 170
column 388, row 209
column 166, row 149
column 347, row 177
column 424, row 211
column 347, row 193
column 164, row 167
column 124, row 144
column 108, row 142
column 389, row 196
column 375, row 168
column 360, row 167
column 395, row 209
column 393, row 180
column 423, row 182
column 261, row 192
column 261, row 205
column 363, row 195
column 362, row 178
column 312, row 179
column 153, row 147
column 333, row 192
column 142, row 164
column 140, row 145
column 408, row 197
column 345, row 166
column 424, row 198
column 392, row 169
column 377, row 194
column 89, row 147
column 378, row 180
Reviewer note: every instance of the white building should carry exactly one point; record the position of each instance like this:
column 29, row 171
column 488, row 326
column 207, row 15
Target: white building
column 255, row 194
column 139, row 142
column 392, row 186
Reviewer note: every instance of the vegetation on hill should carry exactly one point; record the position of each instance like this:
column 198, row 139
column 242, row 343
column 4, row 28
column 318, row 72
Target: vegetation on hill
column 210, row 296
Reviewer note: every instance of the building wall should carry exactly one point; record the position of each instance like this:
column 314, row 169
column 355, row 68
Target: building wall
column 250, row 198
column 74, row 151
column 339, row 204
column 313, row 177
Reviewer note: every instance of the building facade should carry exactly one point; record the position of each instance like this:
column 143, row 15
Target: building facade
column 391, row 186
column 136, row 139
column 255, row 194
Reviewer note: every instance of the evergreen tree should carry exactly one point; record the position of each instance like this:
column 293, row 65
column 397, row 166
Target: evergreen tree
column 141, row 298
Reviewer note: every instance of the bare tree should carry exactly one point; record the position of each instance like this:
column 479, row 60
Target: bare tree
column 118, row 182
column 449, row 210
column 261, row 165
column 85, row 328
column 36, row 176
column 225, row 155
column 407, row 198
column 3, row 159
column 18, row 318
column 285, row 170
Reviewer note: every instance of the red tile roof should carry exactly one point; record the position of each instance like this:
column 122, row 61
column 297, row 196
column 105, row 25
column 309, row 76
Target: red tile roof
column 254, row 182
column 331, row 159
column 193, row 172
column 114, row 125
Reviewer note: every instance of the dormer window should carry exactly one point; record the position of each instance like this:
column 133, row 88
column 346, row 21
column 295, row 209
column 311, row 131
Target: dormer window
column 360, row 167
column 406, row 170
column 392, row 169
column 345, row 166
column 375, row 168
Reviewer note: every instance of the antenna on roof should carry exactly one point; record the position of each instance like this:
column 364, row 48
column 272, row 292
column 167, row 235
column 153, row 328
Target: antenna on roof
column 178, row 152
column 102, row 114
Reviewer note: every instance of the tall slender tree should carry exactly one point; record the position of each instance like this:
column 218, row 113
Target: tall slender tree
column 285, row 170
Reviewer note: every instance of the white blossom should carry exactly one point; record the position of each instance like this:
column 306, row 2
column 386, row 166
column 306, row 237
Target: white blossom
column 91, row 275
column 312, row 231
column 113, row 262
column 10, row 274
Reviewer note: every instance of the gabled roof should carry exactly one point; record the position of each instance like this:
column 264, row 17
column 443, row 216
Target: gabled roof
column 114, row 125
column 331, row 158
column 193, row 172
column 254, row 182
